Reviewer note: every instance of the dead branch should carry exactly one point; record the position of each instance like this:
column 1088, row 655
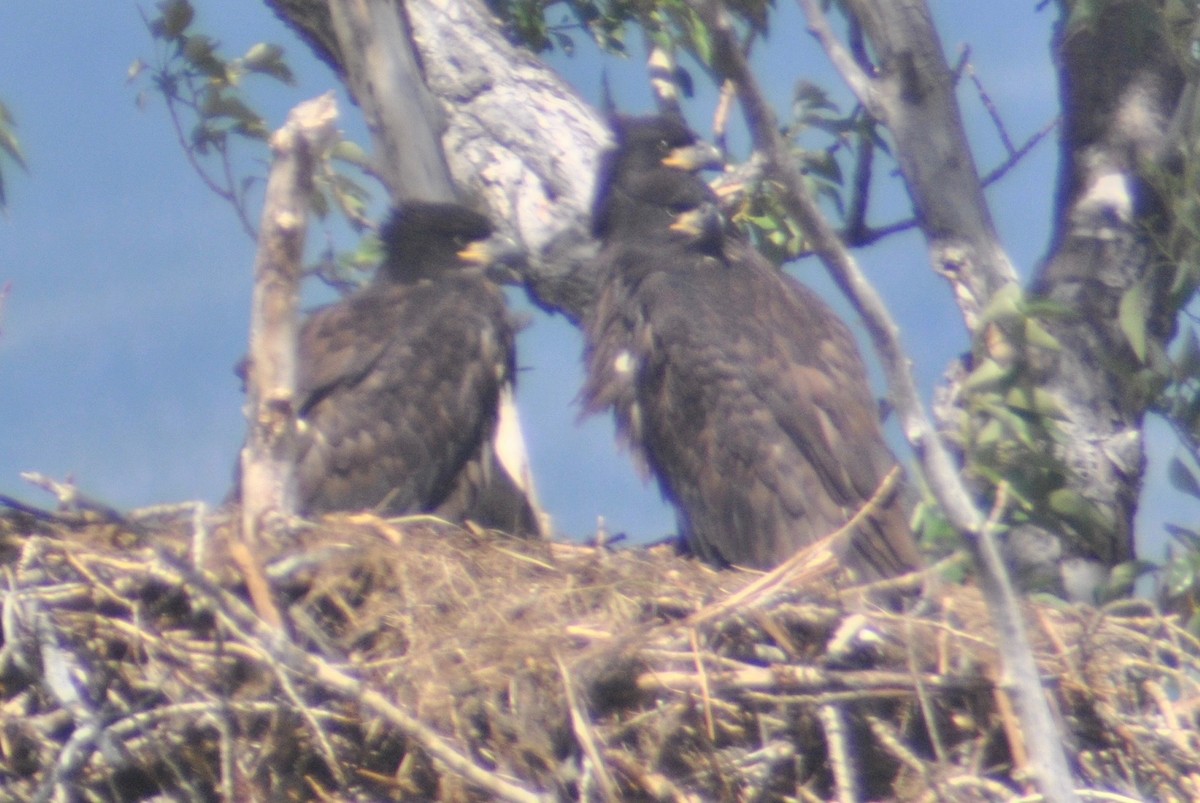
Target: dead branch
column 268, row 459
column 268, row 462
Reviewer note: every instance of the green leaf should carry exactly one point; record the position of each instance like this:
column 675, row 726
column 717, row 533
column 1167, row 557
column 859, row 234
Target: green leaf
column 989, row 434
column 764, row 222
column 683, row 79
column 251, row 129
column 809, row 96
column 565, row 43
column 1180, row 577
column 1177, row 12
column 1182, row 478
column 222, row 105
column 1035, row 400
column 987, row 374
column 351, row 153
column 1190, row 539
column 1069, row 504
column 204, row 136
column 1047, row 308
column 201, row 52
column 1122, row 579
column 1190, row 417
column 824, row 164
column 1131, row 315
column 1005, row 305
column 701, row 38
column 1036, row 335
column 9, row 144
column 1082, row 15
column 1080, row 512
column 267, row 59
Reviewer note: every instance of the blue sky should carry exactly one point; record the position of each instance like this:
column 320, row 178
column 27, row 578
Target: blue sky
column 131, row 281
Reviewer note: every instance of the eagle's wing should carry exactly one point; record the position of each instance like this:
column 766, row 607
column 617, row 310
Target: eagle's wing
column 398, row 393
column 817, row 390
column 341, row 342
column 620, row 343
column 758, row 416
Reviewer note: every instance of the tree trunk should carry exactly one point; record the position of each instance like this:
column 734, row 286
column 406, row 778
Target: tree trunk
column 384, row 75
column 1120, row 85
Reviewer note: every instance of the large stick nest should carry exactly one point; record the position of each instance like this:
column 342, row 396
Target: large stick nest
column 421, row 661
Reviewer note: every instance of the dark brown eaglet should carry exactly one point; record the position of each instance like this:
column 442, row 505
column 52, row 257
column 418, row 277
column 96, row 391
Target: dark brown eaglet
column 736, row 386
column 398, row 383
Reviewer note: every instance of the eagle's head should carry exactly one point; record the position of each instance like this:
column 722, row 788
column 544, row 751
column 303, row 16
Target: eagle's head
column 422, row 240
column 650, row 176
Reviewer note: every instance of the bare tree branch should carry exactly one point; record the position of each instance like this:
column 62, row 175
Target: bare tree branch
column 1017, row 154
column 912, row 93
column 844, row 61
column 857, row 235
column 993, row 112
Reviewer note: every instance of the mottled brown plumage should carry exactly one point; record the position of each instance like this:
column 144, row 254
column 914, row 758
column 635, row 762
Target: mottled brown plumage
column 398, row 383
column 740, row 389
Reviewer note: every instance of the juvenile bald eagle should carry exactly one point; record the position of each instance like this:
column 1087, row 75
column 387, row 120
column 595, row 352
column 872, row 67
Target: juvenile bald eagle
column 739, row 388
column 398, row 384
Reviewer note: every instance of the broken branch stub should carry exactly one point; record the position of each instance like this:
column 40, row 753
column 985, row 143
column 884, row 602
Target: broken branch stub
column 268, row 459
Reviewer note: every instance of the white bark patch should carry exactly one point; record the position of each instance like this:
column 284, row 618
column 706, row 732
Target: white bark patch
column 1107, row 204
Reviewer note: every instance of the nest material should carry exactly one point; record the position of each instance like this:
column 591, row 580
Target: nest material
column 421, row 661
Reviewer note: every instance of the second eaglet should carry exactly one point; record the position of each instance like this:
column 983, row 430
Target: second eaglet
column 740, row 389
column 398, row 384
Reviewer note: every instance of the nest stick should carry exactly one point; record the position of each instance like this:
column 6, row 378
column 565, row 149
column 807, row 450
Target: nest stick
column 252, row 632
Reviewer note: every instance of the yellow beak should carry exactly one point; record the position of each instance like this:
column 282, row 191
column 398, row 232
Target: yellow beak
column 477, row 253
column 694, row 157
column 692, row 222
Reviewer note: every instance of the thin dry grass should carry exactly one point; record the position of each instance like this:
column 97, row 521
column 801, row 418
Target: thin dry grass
column 423, row 661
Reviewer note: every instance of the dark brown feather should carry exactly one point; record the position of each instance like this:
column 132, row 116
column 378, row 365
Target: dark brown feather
column 397, row 392
column 739, row 388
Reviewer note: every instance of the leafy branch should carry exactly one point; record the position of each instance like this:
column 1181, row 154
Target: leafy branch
column 202, row 90
column 211, row 114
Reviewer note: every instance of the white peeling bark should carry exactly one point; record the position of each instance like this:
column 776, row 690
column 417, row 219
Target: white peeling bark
column 520, row 137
